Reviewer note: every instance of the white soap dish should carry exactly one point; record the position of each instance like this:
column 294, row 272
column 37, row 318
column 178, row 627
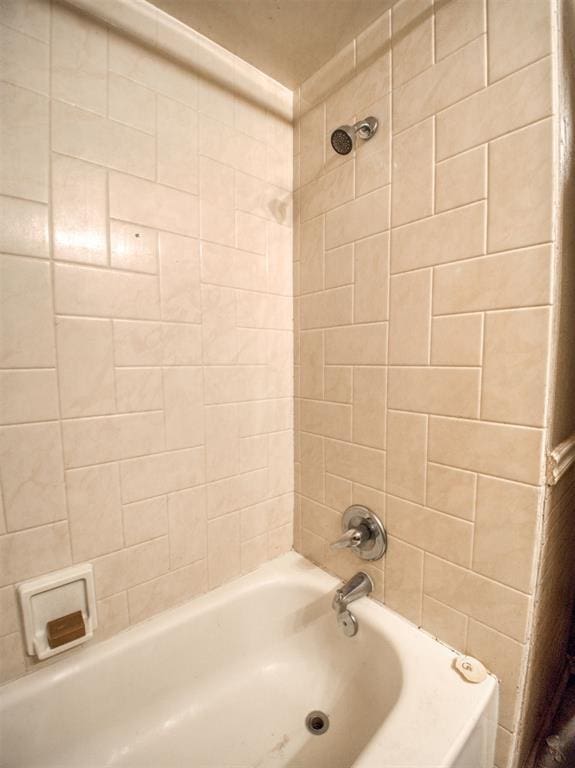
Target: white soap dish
column 54, row 596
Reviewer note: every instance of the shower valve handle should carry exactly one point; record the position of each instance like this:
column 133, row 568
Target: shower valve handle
column 353, row 537
column 363, row 533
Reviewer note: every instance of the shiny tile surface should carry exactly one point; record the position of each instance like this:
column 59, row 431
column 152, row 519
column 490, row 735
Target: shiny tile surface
column 436, row 233
column 146, row 313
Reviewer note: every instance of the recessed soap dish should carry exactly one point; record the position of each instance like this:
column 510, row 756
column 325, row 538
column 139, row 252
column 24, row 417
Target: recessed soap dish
column 58, row 596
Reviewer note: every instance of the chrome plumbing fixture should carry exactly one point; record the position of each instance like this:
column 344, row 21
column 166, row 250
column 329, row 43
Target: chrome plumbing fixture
column 358, row 586
column 343, row 138
column 363, row 533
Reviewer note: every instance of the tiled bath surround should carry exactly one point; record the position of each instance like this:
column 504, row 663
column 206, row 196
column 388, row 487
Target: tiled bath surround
column 146, row 313
column 146, row 374
column 423, row 266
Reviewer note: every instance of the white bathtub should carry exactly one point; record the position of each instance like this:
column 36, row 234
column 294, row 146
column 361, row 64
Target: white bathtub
column 227, row 680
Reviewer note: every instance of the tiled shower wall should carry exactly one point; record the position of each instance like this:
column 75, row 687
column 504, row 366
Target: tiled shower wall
column 146, row 315
column 423, row 280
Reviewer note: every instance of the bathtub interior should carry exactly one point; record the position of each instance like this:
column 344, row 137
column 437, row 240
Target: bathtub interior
column 229, row 679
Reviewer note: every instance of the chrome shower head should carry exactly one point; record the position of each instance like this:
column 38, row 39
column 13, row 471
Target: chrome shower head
column 343, row 138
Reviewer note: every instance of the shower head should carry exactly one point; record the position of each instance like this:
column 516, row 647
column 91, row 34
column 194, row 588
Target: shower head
column 343, row 138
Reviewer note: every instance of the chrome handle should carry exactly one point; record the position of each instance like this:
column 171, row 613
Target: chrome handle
column 363, row 533
column 352, row 538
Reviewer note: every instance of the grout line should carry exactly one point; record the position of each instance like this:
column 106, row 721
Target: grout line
column 482, row 365
column 486, row 49
column 165, row 185
column 500, row 136
column 426, row 461
column 434, row 170
column 111, row 269
column 479, row 575
column 106, row 31
column 473, row 523
column 472, row 420
column 54, row 319
column 448, row 515
column 389, row 294
column 19, row 86
column 39, row 526
column 204, row 410
column 20, row 31
column 101, row 115
column 432, row 461
column 3, row 510
column 482, row 472
column 433, row 22
column 483, row 317
column 457, row 156
column 491, row 310
column 431, row 216
column 28, row 369
column 473, row 93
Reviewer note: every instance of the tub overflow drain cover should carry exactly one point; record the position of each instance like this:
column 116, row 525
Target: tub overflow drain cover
column 317, row 722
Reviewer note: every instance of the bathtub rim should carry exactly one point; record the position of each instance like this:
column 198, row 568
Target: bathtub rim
column 280, row 569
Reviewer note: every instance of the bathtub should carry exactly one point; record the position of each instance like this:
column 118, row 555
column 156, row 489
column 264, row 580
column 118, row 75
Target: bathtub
column 227, row 680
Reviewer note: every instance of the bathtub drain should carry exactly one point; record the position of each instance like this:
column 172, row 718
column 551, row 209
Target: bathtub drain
column 317, row 722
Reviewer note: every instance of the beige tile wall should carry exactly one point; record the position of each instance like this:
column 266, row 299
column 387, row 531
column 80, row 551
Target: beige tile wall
column 146, row 318
column 146, row 310
column 423, row 281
